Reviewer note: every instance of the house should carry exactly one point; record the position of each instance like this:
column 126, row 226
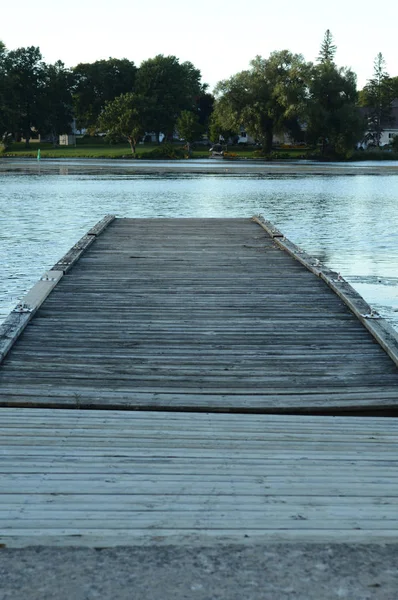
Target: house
column 389, row 128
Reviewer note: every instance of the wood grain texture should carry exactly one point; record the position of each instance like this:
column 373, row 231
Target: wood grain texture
column 197, row 314
column 115, row 478
column 381, row 330
column 16, row 322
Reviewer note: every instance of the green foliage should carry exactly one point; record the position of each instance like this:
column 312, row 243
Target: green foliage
column 205, row 107
column 172, row 87
column 377, row 97
column 33, row 95
column 4, row 122
column 328, row 49
column 394, row 143
column 269, row 98
column 217, row 131
column 57, row 101
column 165, row 151
column 189, row 128
column 125, row 117
column 332, row 116
column 100, row 82
column 25, row 78
column 394, row 86
column 375, row 154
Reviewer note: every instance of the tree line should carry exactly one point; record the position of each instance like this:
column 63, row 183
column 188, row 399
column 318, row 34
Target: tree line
column 35, row 96
column 317, row 103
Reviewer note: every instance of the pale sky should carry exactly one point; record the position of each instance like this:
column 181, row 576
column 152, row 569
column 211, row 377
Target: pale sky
column 219, row 37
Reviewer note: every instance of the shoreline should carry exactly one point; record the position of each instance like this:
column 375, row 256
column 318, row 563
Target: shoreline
column 246, row 167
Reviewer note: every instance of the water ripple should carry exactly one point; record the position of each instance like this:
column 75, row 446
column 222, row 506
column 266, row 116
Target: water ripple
column 349, row 222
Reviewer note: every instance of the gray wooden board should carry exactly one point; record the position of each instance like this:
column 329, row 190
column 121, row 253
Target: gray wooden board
column 195, row 313
column 116, row 478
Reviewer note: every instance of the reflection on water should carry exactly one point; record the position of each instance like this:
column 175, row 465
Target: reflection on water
column 348, row 222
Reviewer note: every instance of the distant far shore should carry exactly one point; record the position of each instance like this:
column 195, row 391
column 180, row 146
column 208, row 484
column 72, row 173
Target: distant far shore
column 97, row 148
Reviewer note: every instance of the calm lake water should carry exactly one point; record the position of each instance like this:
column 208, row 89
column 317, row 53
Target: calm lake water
column 348, row 221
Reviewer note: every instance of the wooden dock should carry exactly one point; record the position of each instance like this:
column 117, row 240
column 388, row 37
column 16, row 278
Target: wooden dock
column 106, row 478
column 167, row 324
column 197, row 315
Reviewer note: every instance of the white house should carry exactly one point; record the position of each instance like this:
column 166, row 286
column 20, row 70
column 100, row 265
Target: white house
column 390, row 128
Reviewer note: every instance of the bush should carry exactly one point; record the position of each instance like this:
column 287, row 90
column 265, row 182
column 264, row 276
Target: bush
column 165, row 151
column 374, row 155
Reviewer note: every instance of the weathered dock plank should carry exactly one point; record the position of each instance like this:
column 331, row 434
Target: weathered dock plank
column 200, row 314
column 115, row 478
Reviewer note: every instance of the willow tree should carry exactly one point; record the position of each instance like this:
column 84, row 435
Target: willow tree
column 268, row 98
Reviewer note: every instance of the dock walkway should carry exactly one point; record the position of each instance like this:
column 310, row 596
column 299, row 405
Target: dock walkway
column 158, row 327
column 195, row 315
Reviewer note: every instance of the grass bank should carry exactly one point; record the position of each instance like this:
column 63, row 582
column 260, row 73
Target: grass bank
column 98, row 148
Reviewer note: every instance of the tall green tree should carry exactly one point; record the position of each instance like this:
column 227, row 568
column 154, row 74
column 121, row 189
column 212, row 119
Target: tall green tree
column 126, row 117
column 5, row 128
column 328, row 49
column 189, row 128
column 205, row 107
column 394, row 87
column 267, row 99
column 57, row 101
column 377, row 97
column 333, row 120
column 100, row 82
column 25, row 73
column 172, row 87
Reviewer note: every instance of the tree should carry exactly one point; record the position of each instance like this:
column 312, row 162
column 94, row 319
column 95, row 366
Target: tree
column 332, row 116
column 269, row 98
column 205, row 108
column 125, row 117
column 100, row 82
column 25, row 73
column 328, row 49
column 189, row 128
column 217, row 131
column 172, row 88
column 394, row 87
column 4, row 108
column 394, row 143
column 57, row 101
column 377, row 97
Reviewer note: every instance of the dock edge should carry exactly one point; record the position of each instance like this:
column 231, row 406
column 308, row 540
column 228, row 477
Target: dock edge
column 380, row 329
column 17, row 320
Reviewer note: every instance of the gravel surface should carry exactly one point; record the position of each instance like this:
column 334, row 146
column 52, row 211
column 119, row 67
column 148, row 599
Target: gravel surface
column 218, row 572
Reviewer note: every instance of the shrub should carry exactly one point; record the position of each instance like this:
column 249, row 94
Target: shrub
column 166, row 151
column 374, row 155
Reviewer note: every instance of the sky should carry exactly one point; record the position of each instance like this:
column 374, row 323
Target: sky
column 219, row 37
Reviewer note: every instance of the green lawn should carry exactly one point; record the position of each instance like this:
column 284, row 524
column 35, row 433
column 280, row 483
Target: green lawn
column 81, row 150
column 99, row 149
